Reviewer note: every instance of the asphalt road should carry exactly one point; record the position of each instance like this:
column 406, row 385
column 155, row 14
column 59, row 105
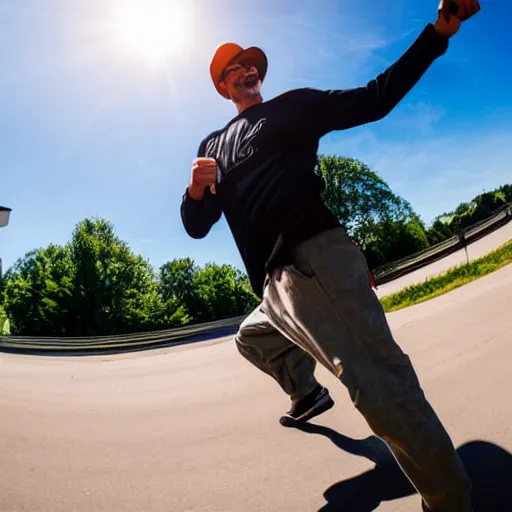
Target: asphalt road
column 195, row 428
column 475, row 250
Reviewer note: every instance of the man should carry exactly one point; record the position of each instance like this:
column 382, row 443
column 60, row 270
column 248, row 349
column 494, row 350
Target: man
column 317, row 302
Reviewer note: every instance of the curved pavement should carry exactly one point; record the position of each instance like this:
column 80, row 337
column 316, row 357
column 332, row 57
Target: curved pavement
column 195, row 428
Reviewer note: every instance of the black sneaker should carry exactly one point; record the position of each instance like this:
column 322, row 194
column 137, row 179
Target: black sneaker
column 317, row 402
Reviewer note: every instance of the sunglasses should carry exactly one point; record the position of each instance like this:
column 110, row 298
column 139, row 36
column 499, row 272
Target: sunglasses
column 235, row 68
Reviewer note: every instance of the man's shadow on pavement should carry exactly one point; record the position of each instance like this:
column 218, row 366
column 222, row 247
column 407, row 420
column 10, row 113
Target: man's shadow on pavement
column 488, row 465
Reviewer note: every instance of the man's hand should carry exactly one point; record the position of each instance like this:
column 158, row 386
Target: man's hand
column 203, row 175
column 452, row 12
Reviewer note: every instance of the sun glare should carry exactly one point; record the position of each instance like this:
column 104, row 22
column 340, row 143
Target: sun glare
column 154, row 28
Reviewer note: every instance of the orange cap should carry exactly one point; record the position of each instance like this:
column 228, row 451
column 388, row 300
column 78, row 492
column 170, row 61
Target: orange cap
column 227, row 53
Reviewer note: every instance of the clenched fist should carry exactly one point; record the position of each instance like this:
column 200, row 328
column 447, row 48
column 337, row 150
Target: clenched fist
column 452, row 12
column 203, row 175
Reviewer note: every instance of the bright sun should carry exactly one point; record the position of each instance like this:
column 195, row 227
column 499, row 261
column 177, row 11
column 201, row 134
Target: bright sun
column 155, row 28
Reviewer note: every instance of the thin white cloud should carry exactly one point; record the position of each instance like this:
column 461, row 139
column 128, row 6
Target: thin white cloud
column 437, row 173
column 328, row 48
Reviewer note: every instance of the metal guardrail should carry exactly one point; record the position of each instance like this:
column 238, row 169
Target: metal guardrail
column 117, row 343
column 471, row 234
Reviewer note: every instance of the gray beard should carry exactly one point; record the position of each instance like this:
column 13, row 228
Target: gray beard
column 252, row 91
column 249, row 92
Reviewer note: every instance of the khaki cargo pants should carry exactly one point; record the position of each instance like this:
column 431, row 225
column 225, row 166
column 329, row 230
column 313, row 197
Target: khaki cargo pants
column 322, row 308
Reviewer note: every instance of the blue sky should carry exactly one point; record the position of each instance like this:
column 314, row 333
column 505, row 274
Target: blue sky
column 90, row 125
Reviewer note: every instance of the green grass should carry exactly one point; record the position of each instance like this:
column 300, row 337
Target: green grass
column 453, row 278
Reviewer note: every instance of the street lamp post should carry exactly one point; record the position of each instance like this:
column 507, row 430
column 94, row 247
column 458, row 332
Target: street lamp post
column 4, row 216
column 4, row 220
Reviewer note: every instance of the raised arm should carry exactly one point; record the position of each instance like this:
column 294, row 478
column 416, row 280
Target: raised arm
column 342, row 109
column 347, row 108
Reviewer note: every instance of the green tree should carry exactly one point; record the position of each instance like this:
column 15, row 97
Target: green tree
column 507, row 192
column 208, row 293
column 5, row 328
column 222, row 291
column 439, row 231
column 394, row 240
column 176, row 289
column 463, row 208
column 479, row 208
column 114, row 290
column 176, row 282
column 360, row 198
column 38, row 292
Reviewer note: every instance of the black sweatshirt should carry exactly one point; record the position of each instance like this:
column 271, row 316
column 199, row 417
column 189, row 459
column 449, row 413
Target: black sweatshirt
column 266, row 156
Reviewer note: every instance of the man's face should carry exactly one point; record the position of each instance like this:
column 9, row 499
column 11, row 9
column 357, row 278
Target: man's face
column 241, row 81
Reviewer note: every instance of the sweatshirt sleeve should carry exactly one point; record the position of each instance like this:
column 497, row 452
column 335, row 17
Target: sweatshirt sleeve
column 341, row 109
column 198, row 217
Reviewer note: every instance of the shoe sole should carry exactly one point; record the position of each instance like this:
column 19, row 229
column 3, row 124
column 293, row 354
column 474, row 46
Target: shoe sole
column 322, row 406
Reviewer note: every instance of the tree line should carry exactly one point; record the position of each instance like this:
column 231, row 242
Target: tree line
column 96, row 285
column 384, row 224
